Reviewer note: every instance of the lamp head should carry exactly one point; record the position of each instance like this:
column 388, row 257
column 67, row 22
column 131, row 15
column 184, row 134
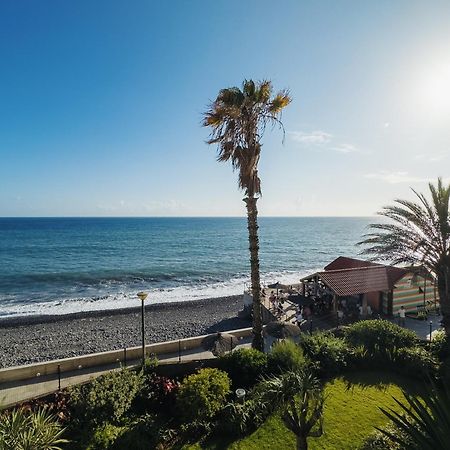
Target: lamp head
column 142, row 295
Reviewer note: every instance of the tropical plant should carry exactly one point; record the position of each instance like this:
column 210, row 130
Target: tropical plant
column 27, row 430
column 418, row 233
column 301, row 399
column 424, row 425
column 238, row 119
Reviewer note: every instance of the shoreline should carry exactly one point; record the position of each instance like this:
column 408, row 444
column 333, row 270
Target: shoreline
column 16, row 321
column 29, row 339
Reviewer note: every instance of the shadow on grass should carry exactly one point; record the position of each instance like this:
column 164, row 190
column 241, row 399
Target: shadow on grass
column 382, row 380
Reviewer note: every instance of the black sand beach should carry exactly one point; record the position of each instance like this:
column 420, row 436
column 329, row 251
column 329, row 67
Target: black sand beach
column 32, row 339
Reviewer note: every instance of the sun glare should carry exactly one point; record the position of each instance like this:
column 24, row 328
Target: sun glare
column 433, row 89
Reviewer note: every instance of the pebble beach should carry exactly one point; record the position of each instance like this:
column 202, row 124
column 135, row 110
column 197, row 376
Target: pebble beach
column 26, row 340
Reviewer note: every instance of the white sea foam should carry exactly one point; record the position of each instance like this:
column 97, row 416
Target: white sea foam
column 109, row 300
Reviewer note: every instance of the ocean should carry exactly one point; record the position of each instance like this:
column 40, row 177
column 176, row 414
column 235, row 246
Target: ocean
column 65, row 265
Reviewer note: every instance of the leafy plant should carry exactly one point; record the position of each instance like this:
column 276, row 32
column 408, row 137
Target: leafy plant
column 382, row 334
column 301, row 399
column 244, row 366
column 414, row 361
column 426, row 423
column 380, row 441
column 27, row 430
column 329, row 353
column 107, row 398
column 203, row 394
column 285, row 356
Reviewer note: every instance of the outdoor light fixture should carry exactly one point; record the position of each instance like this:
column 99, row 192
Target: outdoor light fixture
column 240, row 394
column 143, row 296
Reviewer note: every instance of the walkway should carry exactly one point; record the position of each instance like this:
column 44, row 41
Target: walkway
column 15, row 392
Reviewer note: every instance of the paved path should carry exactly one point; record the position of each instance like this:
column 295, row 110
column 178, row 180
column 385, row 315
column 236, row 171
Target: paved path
column 15, row 392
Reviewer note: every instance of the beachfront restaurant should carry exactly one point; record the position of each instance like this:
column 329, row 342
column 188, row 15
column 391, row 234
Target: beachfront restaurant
column 350, row 283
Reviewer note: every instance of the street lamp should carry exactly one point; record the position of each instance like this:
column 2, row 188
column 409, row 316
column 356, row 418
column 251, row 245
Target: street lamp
column 143, row 296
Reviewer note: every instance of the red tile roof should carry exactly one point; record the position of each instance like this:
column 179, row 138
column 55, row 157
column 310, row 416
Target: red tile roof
column 349, row 276
column 343, row 262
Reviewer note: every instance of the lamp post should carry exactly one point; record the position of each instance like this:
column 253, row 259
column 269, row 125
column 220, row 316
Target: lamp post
column 431, row 329
column 143, row 296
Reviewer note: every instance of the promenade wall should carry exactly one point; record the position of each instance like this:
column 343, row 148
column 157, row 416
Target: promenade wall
column 171, row 348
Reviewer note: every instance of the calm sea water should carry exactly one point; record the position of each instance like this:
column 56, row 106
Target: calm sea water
column 56, row 266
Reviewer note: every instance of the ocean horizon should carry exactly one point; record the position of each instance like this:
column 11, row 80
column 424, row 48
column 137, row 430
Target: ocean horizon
column 61, row 265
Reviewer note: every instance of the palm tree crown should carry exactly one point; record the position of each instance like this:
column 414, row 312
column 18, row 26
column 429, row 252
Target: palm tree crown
column 237, row 119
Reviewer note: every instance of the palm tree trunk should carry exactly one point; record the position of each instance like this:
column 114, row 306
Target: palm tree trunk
column 252, row 225
column 443, row 281
column 302, row 443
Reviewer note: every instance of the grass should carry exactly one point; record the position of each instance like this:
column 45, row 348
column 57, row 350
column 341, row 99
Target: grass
column 351, row 412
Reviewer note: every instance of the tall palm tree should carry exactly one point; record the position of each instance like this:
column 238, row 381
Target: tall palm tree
column 418, row 233
column 237, row 119
column 301, row 399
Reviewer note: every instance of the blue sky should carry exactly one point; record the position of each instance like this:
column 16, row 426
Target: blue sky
column 101, row 103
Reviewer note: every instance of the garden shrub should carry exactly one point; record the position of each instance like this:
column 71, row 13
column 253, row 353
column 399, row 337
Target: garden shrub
column 203, row 394
column 440, row 345
column 104, row 436
column 285, row 356
column 330, row 354
column 414, row 361
column 107, row 398
column 244, row 366
column 157, row 394
column 237, row 419
column 380, row 334
column 146, row 432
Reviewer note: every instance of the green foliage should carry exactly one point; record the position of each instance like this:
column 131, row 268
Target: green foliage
column 104, row 436
column 203, row 394
column 107, row 398
column 381, row 334
column 26, row 430
column 150, row 364
column 286, row 356
column 145, row 433
column 380, row 441
column 426, row 424
column 440, row 345
column 238, row 418
column 244, row 366
column 329, row 353
column 414, row 361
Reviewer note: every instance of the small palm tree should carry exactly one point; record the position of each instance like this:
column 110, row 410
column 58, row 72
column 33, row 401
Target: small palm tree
column 426, row 423
column 24, row 430
column 237, row 119
column 301, row 399
column 419, row 233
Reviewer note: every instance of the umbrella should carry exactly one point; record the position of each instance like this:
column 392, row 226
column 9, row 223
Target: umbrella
column 281, row 330
column 276, row 286
column 219, row 343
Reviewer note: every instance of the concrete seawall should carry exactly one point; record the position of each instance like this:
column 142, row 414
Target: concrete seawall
column 104, row 358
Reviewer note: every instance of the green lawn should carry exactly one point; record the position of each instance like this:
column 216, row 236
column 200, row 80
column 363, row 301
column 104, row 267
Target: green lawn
column 351, row 412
